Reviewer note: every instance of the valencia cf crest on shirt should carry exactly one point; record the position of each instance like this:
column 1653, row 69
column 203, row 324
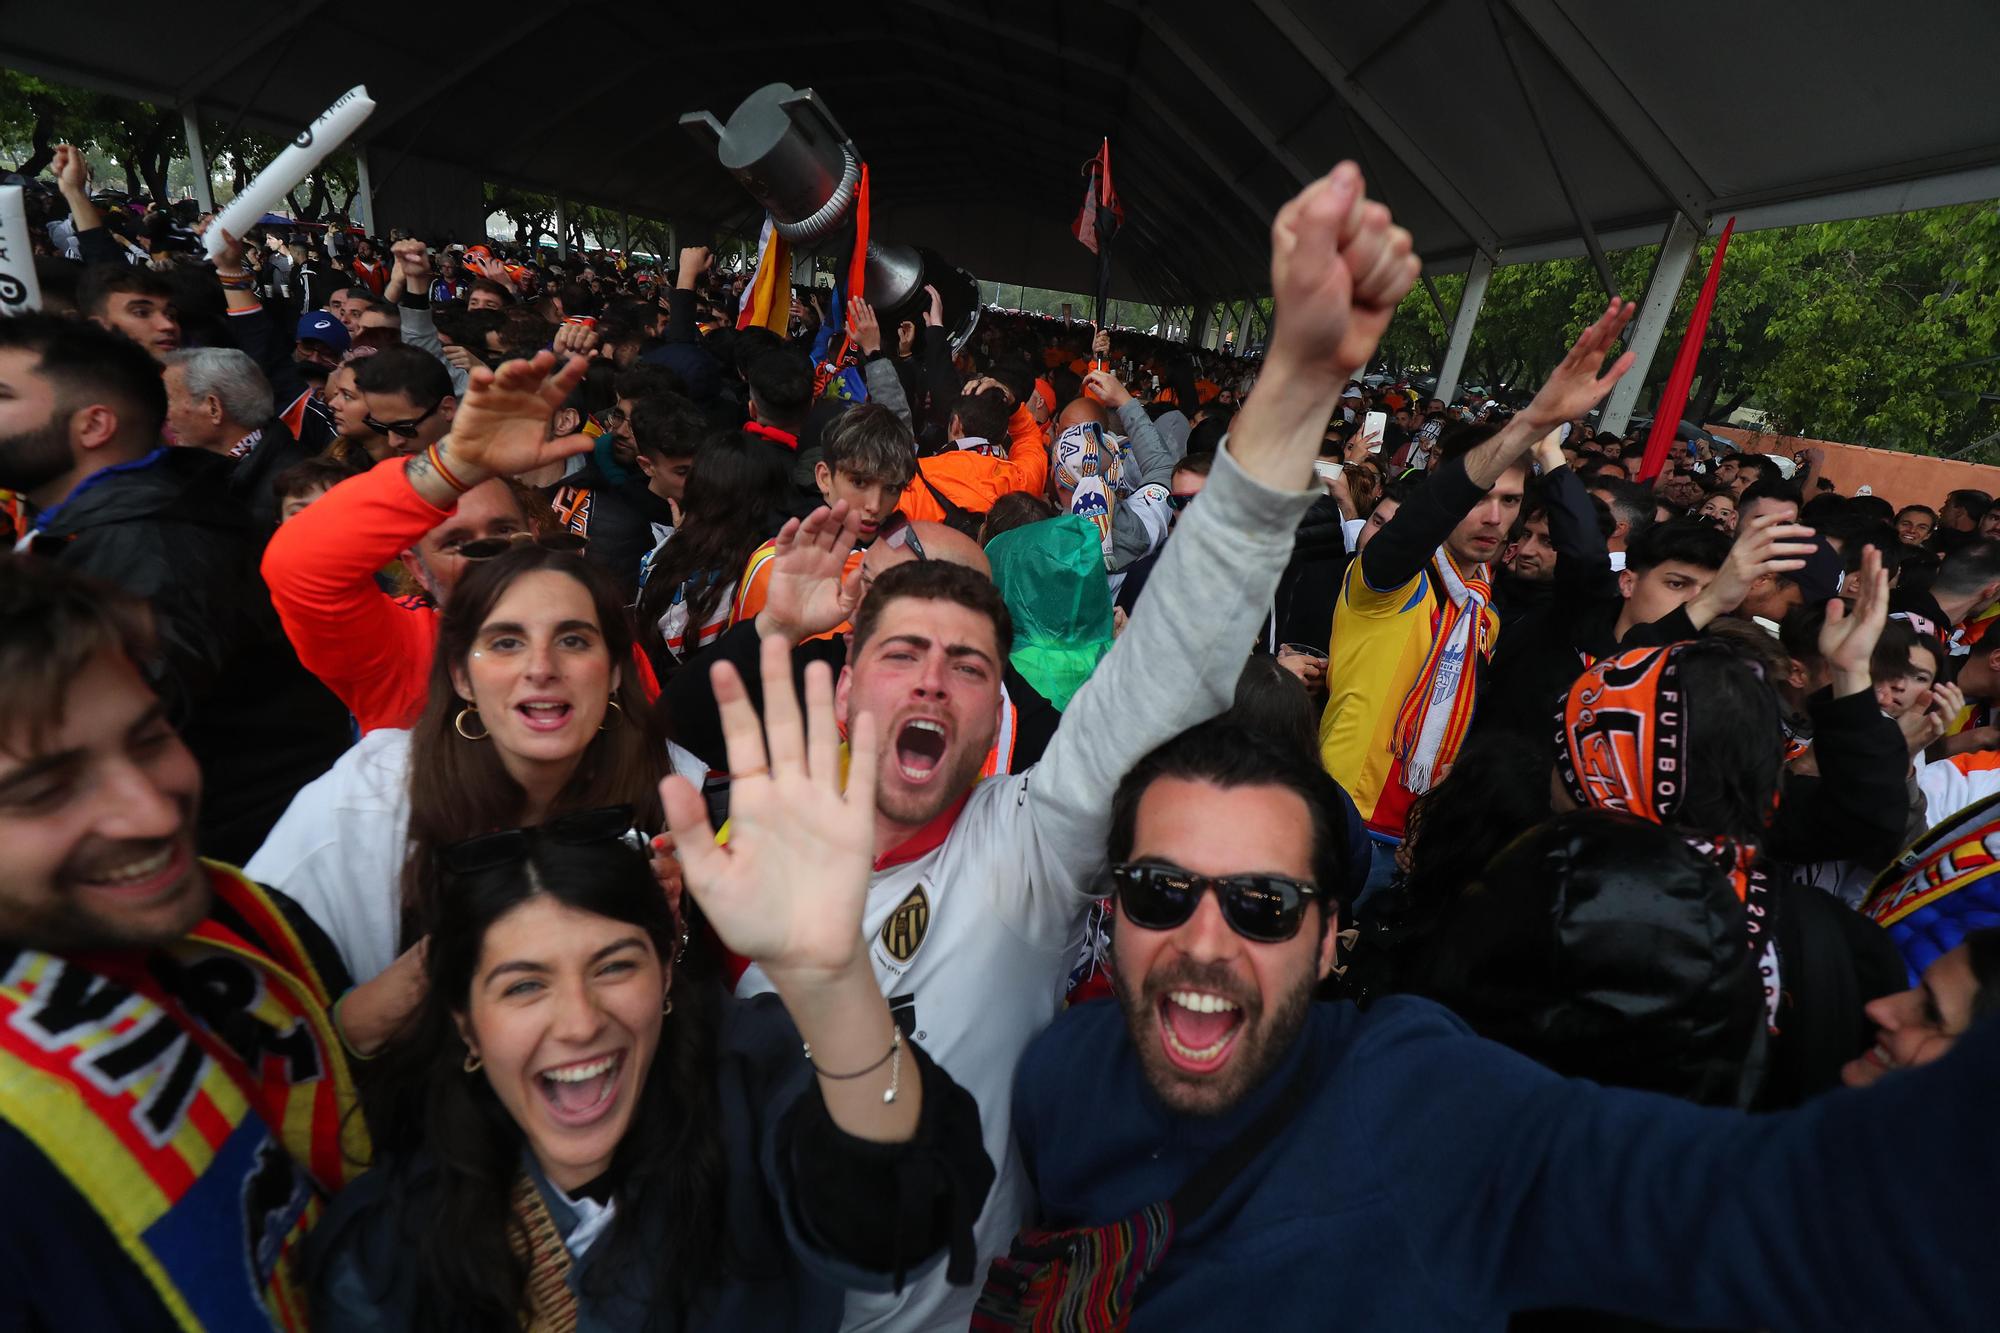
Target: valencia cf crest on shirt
column 904, row 930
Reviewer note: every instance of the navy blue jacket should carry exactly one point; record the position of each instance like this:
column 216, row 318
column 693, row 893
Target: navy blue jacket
column 1437, row 1181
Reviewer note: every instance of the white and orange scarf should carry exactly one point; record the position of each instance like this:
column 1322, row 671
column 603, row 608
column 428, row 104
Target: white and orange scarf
column 1432, row 722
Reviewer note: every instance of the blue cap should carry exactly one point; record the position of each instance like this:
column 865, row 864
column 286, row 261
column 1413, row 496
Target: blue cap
column 322, row 327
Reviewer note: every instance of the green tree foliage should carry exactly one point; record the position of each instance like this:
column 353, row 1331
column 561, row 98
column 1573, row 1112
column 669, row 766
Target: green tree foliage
column 1878, row 330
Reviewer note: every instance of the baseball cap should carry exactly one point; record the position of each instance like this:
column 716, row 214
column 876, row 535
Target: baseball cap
column 1820, row 579
column 322, row 327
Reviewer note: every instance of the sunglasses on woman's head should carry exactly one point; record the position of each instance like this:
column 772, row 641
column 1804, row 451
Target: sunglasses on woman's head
column 1266, row 909
column 900, row 534
column 486, row 548
column 609, row 823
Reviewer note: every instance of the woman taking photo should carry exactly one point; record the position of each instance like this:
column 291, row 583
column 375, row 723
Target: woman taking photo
column 609, row 1140
column 533, row 712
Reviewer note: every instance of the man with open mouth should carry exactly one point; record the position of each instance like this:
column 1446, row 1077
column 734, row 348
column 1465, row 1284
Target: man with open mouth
column 173, row 1098
column 977, row 909
column 1285, row 1158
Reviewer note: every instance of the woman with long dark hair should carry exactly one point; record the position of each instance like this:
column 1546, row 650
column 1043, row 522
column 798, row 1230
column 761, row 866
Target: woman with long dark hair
column 735, row 500
column 608, row 1140
column 533, row 713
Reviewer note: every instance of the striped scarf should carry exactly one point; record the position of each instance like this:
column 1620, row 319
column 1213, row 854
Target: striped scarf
column 1431, row 723
column 196, row 1096
column 552, row 1306
column 1621, row 744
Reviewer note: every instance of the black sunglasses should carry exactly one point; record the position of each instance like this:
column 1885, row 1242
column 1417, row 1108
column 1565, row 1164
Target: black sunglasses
column 1180, row 502
column 486, row 548
column 610, row 823
column 1263, row 908
column 408, row 429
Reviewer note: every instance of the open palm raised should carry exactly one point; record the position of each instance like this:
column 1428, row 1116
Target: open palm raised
column 502, row 425
column 787, row 890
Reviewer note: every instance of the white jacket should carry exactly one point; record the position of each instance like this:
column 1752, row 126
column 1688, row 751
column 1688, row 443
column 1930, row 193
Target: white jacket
column 973, row 940
column 339, row 848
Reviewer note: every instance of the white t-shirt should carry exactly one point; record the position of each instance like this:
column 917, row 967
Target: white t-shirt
column 339, row 848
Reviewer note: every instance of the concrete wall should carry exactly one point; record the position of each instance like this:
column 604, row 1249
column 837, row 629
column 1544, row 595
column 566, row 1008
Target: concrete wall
column 1901, row 479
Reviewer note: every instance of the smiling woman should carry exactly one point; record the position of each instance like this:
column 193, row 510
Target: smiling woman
column 533, row 713
column 589, row 1132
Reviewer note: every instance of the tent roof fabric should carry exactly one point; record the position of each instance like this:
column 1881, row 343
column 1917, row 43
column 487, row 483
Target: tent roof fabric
column 977, row 117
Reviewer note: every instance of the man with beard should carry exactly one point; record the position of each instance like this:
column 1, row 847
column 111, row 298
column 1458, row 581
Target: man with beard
column 976, row 913
column 173, row 1098
column 1389, row 1165
column 80, row 416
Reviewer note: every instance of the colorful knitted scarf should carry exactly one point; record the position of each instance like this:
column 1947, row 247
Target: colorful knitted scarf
column 196, row 1095
column 1431, row 724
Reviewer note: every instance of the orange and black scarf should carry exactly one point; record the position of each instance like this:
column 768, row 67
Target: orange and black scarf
column 1622, row 744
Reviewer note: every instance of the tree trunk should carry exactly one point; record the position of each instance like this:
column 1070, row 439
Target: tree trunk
column 155, row 153
column 44, row 149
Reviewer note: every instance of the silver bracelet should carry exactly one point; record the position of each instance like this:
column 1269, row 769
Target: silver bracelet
column 893, row 1057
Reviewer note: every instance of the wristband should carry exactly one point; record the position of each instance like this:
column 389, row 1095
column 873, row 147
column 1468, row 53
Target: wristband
column 437, row 462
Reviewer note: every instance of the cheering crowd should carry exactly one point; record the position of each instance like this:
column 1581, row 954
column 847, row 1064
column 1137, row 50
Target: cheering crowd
column 530, row 805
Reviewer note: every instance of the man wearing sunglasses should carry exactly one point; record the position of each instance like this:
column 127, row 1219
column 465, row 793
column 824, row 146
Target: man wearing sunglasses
column 1391, row 1165
column 409, row 397
column 976, row 913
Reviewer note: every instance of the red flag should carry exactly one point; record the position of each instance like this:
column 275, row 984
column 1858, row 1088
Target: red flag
column 1101, row 213
column 1673, row 399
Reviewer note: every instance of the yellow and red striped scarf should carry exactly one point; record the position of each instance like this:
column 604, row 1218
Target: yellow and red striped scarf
column 207, row 1122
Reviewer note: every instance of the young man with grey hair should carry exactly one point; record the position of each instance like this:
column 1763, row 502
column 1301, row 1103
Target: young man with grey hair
column 218, row 400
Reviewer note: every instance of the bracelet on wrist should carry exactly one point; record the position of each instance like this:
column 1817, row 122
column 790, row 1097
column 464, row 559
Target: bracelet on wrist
column 893, row 1057
column 436, row 457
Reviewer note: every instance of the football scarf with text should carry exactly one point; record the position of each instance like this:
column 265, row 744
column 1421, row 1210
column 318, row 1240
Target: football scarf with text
column 1621, row 744
column 196, row 1095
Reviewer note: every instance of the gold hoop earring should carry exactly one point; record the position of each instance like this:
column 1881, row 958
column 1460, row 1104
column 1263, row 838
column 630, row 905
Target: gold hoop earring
column 458, row 723
column 472, row 1062
column 612, row 706
column 667, row 1008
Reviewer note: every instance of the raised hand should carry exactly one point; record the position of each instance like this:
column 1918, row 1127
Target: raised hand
column 1339, row 266
column 934, row 312
column 1767, row 544
column 1847, row 640
column 494, row 271
column 575, row 340
column 228, row 259
column 1109, row 390
column 501, row 426
column 71, row 171
column 805, row 595
column 788, row 890
column 413, row 257
column 1926, row 724
column 861, row 322
column 694, row 263
column 1574, row 386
